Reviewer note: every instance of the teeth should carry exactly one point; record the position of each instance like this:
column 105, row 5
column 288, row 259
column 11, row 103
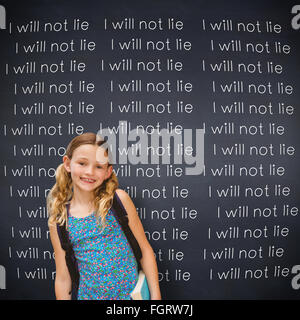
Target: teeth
column 88, row 180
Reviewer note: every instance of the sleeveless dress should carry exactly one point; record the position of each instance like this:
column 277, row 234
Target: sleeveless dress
column 106, row 263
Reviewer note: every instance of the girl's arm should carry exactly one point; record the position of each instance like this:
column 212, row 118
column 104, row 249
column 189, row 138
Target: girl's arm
column 63, row 283
column 148, row 261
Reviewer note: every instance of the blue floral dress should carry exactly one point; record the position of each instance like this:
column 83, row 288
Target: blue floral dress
column 107, row 266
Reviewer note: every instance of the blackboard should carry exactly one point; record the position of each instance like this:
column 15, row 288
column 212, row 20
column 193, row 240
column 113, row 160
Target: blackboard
column 220, row 207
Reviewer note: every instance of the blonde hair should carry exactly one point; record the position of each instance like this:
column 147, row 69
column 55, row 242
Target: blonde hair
column 62, row 191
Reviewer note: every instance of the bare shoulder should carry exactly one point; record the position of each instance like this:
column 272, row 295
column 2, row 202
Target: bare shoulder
column 134, row 220
column 126, row 201
column 123, row 195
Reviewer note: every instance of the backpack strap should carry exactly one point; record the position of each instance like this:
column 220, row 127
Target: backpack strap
column 122, row 217
column 70, row 256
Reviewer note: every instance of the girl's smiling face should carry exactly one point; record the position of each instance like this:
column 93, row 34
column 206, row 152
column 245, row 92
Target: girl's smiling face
column 86, row 172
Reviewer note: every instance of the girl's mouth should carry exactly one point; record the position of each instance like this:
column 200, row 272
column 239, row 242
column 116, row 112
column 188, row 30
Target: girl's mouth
column 86, row 180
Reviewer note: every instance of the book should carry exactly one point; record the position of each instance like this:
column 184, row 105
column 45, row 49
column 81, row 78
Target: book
column 141, row 290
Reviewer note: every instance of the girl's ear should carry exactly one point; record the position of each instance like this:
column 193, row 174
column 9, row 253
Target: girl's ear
column 66, row 161
column 109, row 172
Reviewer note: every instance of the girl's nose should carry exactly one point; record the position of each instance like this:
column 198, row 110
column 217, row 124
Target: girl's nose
column 89, row 170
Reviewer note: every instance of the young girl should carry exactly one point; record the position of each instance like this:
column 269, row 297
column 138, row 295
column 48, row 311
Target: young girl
column 106, row 263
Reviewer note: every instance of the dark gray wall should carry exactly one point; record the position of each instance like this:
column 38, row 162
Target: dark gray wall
column 231, row 232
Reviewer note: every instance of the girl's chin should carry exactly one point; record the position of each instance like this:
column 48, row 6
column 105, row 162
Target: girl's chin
column 86, row 188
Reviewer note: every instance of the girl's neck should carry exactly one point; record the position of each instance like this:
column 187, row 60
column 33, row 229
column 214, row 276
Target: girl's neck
column 82, row 200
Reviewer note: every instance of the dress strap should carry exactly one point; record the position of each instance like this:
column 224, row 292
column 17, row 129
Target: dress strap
column 68, row 209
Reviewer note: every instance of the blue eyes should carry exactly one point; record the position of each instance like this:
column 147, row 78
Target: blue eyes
column 82, row 163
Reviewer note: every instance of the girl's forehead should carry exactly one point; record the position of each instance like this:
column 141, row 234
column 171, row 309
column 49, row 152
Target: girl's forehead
column 89, row 152
column 84, row 150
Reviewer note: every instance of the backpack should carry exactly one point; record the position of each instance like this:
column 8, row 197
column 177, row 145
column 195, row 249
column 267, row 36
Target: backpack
column 122, row 218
